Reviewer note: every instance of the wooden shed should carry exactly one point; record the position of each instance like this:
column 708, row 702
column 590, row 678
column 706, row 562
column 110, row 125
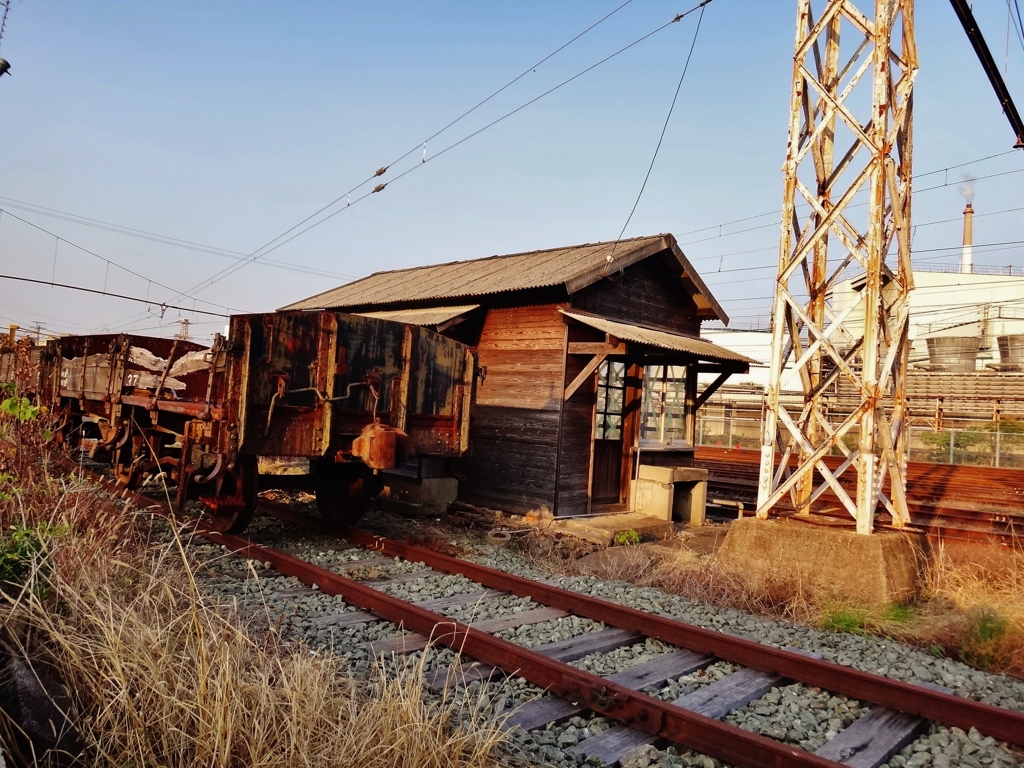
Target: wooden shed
column 588, row 360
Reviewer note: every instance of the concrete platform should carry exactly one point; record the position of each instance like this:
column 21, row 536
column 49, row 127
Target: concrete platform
column 868, row 570
column 603, row 529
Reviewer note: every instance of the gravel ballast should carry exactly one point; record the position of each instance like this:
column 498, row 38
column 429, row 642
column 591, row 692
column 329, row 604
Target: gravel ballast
column 794, row 713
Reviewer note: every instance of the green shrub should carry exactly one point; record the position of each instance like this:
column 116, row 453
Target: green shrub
column 845, row 619
column 898, row 612
column 986, row 639
column 21, row 547
column 632, row 536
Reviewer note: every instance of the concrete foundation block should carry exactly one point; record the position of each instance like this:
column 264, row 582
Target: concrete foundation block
column 603, row 530
column 870, row 570
column 671, row 493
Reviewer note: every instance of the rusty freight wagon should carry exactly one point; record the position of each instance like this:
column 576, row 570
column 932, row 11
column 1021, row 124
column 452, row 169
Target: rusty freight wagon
column 342, row 396
column 345, row 395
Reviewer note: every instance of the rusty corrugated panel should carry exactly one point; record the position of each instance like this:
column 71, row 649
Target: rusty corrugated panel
column 575, row 267
column 704, row 350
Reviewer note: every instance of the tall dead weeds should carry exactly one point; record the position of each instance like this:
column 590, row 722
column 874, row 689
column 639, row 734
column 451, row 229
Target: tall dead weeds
column 158, row 674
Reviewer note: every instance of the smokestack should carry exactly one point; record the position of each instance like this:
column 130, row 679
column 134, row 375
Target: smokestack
column 967, row 254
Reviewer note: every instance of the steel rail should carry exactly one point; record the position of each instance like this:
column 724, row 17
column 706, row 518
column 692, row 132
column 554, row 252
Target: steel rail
column 1000, row 723
column 638, row 710
column 645, row 713
column 633, row 708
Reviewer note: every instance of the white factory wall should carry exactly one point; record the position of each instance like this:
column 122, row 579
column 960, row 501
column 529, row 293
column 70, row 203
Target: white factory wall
column 953, row 304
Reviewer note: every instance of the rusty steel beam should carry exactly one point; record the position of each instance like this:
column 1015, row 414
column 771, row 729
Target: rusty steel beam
column 826, row 241
column 1002, row 724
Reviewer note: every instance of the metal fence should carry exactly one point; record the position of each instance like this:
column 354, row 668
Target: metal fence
column 977, row 443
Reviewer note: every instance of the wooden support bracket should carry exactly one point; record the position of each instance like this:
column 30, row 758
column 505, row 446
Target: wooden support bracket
column 711, row 388
column 583, row 375
column 596, row 348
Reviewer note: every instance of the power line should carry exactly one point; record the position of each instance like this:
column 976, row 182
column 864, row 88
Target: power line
column 383, row 169
column 778, row 211
column 380, row 187
column 1017, row 23
column 664, row 127
column 157, row 238
column 858, row 205
column 109, row 262
column 3, row 19
column 149, row 302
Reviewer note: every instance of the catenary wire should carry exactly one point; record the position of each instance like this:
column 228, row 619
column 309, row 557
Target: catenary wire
column 433, row 136
column 150, row 302
column 157, row 238
column 110, row 262
column 234, row 268
column 664, row 127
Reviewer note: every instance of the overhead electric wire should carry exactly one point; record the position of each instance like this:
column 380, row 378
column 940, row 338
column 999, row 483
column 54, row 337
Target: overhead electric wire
column 857, row 205
column 664, row 127
column 157, row 238
column 256, row 256
column 97, row 291
column 467, row 113
column 6, row 4
column 778, row 211
column 1016, row 22
column 112, row 263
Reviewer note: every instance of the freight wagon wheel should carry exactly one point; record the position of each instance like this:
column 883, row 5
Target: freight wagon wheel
column 232, row 511
column 341, row 493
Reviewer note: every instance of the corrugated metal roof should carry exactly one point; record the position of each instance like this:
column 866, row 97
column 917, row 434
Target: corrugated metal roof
column 428, row 317
column 575, row 267
column 705, row 350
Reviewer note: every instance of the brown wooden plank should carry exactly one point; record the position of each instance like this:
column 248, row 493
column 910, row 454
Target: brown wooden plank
column 876, row 736
column 873, row 739
column 401, row 578
column 412, row 642
column 661, row 668
column 731, row 692
column 715, row 700
column 461, row 675
column 346, row 619
column 440, row 604
column 601, row 641
column 539, row 712
column 350, row 618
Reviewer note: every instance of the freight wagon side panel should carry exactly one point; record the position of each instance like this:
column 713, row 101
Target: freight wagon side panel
column 308, row 383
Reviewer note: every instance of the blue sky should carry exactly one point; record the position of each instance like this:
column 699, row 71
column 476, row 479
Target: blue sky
column 224, row 124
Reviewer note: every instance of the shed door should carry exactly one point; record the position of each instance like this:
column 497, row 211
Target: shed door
column 611, row 397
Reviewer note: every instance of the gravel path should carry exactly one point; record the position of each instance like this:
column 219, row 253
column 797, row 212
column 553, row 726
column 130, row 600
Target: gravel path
column 794, row 714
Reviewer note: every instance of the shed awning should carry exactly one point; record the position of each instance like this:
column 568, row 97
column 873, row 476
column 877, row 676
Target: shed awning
column 652, row 337
column 428, row 318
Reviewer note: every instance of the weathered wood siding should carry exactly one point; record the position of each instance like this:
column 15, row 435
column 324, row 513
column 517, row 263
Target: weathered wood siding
column 514, row 435
column 646, row 292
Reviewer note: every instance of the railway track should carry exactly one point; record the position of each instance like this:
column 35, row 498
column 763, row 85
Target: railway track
column 897, row 712
column 955, row 502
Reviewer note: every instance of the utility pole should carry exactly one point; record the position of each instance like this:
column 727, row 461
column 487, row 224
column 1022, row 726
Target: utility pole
column 851, row 115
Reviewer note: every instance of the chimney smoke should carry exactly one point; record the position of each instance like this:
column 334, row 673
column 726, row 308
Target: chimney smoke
column 967, row 189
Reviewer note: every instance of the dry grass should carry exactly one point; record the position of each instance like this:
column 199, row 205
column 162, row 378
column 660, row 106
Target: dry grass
column 968, row 611
column 159, row 675
column 987, row 603
column 699, row 578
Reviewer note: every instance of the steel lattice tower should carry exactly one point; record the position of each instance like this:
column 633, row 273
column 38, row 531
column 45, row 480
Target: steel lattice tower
column 852, row 99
